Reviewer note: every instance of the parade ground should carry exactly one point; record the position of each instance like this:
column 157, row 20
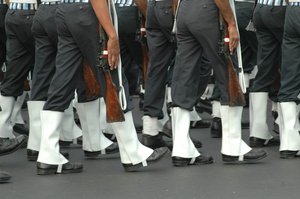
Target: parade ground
column 105, row 178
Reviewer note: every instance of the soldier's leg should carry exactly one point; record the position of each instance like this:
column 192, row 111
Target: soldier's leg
column 290, row 86
column 161, row 52
column 20, row 60
column 269, row 35
column 60, row 94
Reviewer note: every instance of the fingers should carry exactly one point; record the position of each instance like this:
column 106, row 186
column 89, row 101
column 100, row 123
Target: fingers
column 113, row 60
column 233, row 44
column 113, row 53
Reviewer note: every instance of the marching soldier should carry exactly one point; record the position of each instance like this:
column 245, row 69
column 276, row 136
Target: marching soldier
column 20, row 58
column 198, row 33
column 244, row 12
column 159, row 23
column 268, row 19
column 290, row 84
column 46, row 38
column 161, row 51
column 17, row 67
column 78, row 39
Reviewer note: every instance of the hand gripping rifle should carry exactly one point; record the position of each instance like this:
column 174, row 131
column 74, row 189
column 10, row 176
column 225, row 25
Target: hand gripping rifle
column 114, row 111
column 236, row 96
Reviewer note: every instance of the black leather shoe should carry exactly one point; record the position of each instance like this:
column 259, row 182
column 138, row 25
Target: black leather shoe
column 113, row 148
column 4, row 177
column 258, row 142
column 32, row 155
column 252, row 156
column 8, row 146
column 153, row 142
column 201, row 124
column 21, row 129
column 182, row 162
column 154, row 157
column 289, row 154
column 47, row 169
column 216, row 128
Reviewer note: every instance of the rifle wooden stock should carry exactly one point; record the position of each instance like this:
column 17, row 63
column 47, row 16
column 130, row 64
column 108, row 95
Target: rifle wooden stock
column 114, row 112
column 235, row 94
column 91, row 84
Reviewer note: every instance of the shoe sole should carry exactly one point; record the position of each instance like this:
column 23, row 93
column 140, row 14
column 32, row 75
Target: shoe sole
column 184, row 164
column 135, row 167
column 245, row 161
column 15, row 149
column 54, row 171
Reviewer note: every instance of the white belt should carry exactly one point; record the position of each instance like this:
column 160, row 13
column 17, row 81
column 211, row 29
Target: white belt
column 272, row 2
column 50, row 2
column 75, row 1
column 23, row 6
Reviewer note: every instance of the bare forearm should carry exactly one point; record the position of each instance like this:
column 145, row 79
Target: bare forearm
column 101, row 9
column 142, row 5
column 174, row 6
column 226, row 11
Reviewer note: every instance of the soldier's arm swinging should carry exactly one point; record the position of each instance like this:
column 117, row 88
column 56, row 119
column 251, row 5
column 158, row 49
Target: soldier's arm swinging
column 101, row 9
column 226, row 11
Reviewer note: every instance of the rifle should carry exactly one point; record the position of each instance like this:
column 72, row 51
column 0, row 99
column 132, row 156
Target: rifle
column 91, row 85
column 141, row 37
column 114, row 111
column 236, row 96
